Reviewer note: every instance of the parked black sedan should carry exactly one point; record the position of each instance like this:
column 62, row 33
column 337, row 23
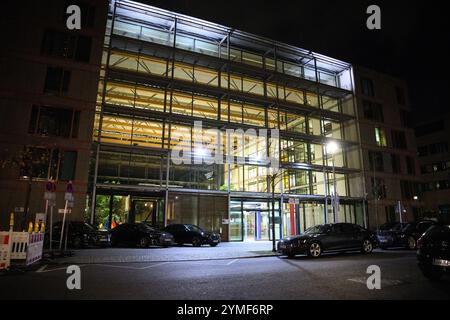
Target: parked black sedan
column 189, row 233
column 79, row 234
column 402, row 234
column 139, row 234
column 328, row 238
column 433, row 251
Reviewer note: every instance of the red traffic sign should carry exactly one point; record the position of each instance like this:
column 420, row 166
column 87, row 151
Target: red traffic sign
column 69, row 188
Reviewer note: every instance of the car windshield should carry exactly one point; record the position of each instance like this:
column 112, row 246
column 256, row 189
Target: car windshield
column 317, row 229
column 194, row 228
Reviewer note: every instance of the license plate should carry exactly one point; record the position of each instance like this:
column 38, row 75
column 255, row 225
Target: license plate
column 215, row 240
column 282, row 246
column 168, row 240
column 441, row 262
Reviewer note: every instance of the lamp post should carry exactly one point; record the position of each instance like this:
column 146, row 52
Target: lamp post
column 332, row 148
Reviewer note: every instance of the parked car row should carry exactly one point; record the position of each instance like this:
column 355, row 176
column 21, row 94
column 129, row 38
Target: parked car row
column 143, row 235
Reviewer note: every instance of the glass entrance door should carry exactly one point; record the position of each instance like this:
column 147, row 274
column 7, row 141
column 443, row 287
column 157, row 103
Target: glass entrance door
column 249, row 226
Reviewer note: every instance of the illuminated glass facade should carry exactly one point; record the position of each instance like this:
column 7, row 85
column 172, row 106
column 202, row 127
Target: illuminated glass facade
column 161, row 72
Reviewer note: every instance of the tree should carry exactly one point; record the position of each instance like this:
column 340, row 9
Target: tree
column 30, row 162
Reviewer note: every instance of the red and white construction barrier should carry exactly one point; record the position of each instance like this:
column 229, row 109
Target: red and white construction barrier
column 35, row 247
column 22, row 246
column 5, row 259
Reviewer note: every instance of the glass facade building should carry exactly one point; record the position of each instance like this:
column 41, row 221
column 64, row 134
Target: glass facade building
column 163, row 73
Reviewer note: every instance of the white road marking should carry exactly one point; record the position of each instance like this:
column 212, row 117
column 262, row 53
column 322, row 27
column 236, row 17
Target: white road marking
column 42, row 269
column 233, row 261
column 384, row 282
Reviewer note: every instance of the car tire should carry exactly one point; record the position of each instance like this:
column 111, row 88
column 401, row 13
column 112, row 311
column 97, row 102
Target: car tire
column 196, row 242
column 291, row 255
column 77, row 243
column 367, row 246
column 114, row 242
column 180, row 244
column 213, row 244
column 143, row 242
column 412, row 243
column 432, row 273
column 314, row 250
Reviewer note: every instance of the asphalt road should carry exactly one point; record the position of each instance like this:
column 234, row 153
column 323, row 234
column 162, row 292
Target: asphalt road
column 340, row 276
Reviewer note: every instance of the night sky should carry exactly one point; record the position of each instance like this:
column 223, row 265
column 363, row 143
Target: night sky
column 412, row 44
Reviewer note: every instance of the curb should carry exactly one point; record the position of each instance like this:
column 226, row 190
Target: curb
column 166, row 260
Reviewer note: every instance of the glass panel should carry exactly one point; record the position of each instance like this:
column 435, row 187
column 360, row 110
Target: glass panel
column 254, row 115
column 296, row 181
column 314, row 214
column 183, row 72
column 252, row 86
column 312, row 99
column 293, row 95
column 296, row 123
column 206, row 76
column 235, row 221
column 205, row 108
column 182, row 104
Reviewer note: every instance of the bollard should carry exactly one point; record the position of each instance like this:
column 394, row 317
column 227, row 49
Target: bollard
column 30, row 227
column 42, row 227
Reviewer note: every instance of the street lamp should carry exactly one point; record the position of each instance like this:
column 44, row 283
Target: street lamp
column 332, row 148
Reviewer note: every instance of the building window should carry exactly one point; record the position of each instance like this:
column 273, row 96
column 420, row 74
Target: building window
column 367, row 87
column 409, row 189
column 376, row 161
column 380, row 137
column 56, row 81
column 440, row 147
column 58, row 122
column 66, row 45
column 46, row 163
column 378, row 188
column 410, row 165
column 373, row 111
column 395, row 160
column 68, row 163
column 398, row 139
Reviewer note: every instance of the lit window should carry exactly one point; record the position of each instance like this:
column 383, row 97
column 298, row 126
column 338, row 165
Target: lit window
column 380, row 137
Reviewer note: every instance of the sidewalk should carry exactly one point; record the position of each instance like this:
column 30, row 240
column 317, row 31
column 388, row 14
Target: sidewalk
column 225, row 250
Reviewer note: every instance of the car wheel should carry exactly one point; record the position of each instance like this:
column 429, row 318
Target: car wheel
column 213, row 244
column 143, row 243
column 315, row 250
column 367, row 246
column 76, row 243
column 196, row 242
column 432, row 273
column 114, row 242
column 179, row 244
column 290, row 255
column 412, row 245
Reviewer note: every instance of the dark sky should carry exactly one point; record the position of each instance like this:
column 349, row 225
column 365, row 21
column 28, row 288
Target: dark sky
column 412, row 44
